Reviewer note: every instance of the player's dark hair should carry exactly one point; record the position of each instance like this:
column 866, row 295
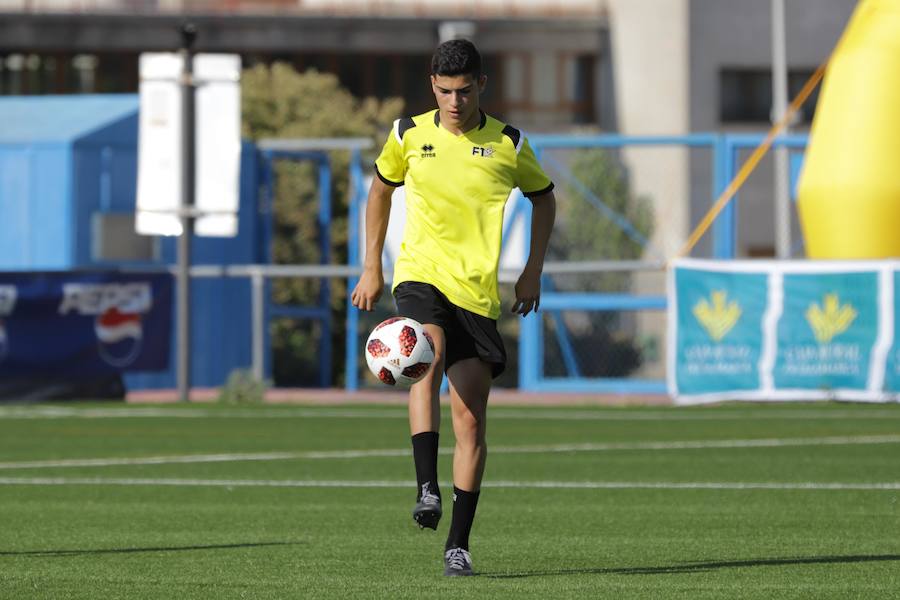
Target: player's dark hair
column 456, row 57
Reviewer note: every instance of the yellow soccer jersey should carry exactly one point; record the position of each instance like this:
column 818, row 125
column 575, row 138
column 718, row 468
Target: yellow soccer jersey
column 456, row 190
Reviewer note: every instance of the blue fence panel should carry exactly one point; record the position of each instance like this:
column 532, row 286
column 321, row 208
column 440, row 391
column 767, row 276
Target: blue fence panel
column 725, row 149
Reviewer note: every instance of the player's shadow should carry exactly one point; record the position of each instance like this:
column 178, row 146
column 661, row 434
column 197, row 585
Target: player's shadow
column 135, row 550
column 700, row 567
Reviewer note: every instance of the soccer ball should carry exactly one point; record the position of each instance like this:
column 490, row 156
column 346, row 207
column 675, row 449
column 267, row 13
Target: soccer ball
column 399, row 351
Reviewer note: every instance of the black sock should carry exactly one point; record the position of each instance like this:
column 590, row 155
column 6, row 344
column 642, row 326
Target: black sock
column 464, row 504
column 425, row 454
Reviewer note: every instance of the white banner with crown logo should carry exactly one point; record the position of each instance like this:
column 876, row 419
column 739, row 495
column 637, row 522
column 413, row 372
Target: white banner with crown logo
column 783, row 330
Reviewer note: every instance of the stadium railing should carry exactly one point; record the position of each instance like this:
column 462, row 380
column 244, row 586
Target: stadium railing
column 725, row 152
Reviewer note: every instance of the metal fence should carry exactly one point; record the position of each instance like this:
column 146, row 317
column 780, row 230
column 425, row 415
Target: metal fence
column 602, row 324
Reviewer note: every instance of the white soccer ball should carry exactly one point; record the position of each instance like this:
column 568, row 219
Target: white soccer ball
column 399, row 351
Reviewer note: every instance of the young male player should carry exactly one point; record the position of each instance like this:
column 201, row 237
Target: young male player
column 459, row 166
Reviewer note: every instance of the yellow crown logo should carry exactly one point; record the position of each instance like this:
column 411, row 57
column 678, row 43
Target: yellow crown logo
column 831, row 320
column 719, row 317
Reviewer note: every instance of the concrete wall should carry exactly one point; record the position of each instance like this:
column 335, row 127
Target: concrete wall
column 737, row 33
column 649, row 44
column 649, row 48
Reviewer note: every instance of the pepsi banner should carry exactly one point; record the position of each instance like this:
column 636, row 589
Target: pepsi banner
column 785, row 330
column 81, row 325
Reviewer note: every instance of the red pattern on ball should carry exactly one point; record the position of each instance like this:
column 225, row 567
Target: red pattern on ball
column 417, row 370
column 407, row 340
column 377, row 348
column 386, row 376
column 430, row 341
column 387, row 322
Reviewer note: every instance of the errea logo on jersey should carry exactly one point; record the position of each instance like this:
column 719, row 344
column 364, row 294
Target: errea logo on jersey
column 428, row 151
column 485, row 152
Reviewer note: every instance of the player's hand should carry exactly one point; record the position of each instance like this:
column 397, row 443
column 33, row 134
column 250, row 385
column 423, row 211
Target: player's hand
column 368, row 290
column 528, row 292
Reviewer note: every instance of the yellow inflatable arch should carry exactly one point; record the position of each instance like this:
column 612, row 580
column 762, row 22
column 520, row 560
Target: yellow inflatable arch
column 849, row 190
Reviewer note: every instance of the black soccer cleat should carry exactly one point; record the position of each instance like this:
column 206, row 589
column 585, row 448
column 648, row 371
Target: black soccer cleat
column 458, row 563
column 427, row 512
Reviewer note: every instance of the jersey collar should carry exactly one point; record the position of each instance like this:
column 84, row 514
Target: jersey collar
column 437, row 119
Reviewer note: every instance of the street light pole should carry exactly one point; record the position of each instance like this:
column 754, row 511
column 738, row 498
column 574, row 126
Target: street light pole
column 779, row 108
column 188, row 143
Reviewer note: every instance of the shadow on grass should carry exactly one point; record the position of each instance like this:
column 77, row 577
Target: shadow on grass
column 700, row 567
column 85, row 551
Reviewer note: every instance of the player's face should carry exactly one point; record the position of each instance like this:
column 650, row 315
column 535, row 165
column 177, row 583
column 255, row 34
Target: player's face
column 457, row 99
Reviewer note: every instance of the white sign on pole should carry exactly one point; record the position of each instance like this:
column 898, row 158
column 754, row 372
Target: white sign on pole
column 218, row 144
column 159, row 146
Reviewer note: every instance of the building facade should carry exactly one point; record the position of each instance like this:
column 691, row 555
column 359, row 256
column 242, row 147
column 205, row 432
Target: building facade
column 542, row 63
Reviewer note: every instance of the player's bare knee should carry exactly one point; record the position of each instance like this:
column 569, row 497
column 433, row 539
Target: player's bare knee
column 437, row 365
column 469, row 425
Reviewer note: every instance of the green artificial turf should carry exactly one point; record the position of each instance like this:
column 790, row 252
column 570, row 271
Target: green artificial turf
column 227, row 529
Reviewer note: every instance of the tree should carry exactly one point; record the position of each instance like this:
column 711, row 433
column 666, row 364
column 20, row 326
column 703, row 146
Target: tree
column 589, row 232
column 279, row 102
column 585, row 231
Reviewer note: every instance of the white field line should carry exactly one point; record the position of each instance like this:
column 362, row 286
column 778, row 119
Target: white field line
column 674, row 414
column 588, row 485
column 201, row 458
column 540, row 449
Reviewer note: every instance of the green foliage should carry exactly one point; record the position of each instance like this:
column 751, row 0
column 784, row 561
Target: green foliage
column 586, row 233
column 242, row 388
column 583, row 233
column 279, row 102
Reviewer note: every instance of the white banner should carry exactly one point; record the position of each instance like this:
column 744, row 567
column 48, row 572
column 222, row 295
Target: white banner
column 217, row 139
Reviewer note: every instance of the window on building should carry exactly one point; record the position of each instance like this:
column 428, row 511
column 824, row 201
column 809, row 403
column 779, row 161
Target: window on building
column 491, row 100
column 416, row 87
column 545, row 80
column 578, row 86
column 745, row 95
column 61, row 73
column 515, row 80
column 84, row 70
column 557, row 83
column 116, row 73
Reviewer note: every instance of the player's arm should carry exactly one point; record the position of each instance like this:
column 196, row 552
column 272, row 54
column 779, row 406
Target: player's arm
column 528, row 287
column 378, row 210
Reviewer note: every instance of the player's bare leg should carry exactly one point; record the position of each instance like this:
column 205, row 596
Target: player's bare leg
column 470, row 385
column 424, row 425
column 424, row 396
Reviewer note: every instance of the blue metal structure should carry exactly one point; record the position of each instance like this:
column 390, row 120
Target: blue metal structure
column 531, row 337
column 725, row 149
column 221, row 308
column 65, row 158
column 357, row 195
column 321, row 311
column 52, row 154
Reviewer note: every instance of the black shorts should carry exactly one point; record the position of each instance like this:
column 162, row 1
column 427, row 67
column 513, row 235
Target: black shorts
column 468, row 335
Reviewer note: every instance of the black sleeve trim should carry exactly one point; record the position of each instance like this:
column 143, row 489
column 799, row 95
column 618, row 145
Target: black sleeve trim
column 386, row 180
column 513, row 133
column 530, row 195
column 405, row 124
